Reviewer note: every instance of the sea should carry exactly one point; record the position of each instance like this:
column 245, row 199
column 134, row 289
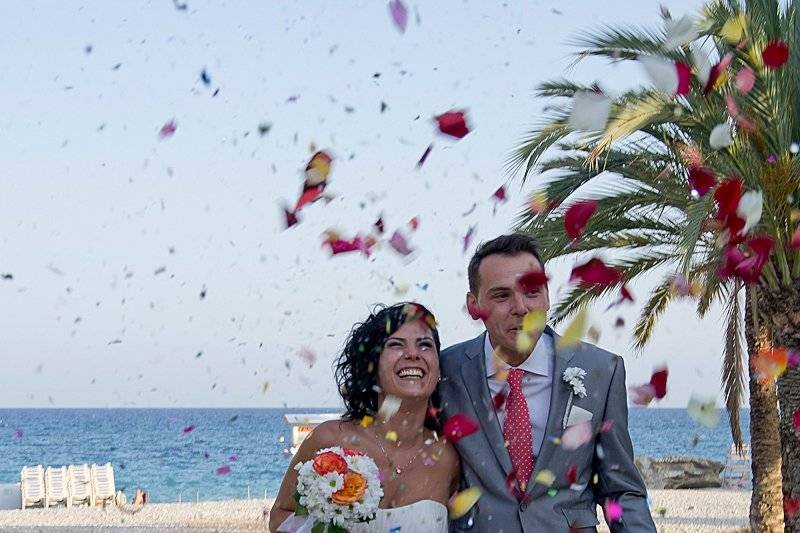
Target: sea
column 220, row 454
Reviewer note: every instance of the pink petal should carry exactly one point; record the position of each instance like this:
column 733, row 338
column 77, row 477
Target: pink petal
column 400, row 244
column 188, row 429
column 684, row 78
column 468, row 237
column 595, row 272
column 168, row 129
column 576, row 436
column 641, row 394
column 745, row 79
column 223, row 470
column 459, row 426
column 612, row 510
column 500, row 194
column 399, row 14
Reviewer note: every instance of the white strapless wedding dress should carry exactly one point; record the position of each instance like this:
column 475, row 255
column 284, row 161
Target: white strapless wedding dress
column 425, row 516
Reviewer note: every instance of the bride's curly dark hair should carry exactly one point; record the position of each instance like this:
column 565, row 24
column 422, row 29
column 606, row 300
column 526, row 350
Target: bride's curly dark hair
column 356, row 369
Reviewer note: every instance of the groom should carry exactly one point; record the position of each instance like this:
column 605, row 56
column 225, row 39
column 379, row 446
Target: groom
column 530, row 480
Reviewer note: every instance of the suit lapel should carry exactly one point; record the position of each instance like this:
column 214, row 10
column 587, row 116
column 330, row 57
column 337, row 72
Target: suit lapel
column 559, row 395
column 473, row 371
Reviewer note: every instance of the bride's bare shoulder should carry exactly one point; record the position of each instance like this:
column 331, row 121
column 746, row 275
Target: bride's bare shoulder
column 331, row 433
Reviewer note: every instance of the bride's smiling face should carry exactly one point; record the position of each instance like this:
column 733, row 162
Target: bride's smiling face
column 409, row 363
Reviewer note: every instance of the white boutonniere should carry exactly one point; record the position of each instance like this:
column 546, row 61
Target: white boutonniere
column 573, row 376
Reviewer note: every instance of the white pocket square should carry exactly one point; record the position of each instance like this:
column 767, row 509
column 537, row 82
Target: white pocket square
column 578, row 415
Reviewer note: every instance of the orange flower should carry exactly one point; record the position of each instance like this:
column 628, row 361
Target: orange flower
column 327, row 462
column 353, row 490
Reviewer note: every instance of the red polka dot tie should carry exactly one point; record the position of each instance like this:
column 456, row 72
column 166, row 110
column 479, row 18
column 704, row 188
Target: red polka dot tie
column 517, row 429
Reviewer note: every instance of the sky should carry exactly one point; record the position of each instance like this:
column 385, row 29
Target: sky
column 148, row 271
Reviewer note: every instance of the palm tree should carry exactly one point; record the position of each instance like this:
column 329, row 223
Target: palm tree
column 669, row 185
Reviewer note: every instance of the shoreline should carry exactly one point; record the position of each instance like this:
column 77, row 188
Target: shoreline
column 686, row 510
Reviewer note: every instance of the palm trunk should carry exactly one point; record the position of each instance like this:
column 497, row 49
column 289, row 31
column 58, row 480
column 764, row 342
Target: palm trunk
column 782, row 309
column 766, row 503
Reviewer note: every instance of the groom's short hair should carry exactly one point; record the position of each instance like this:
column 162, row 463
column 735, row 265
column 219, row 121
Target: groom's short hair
column 512, row 244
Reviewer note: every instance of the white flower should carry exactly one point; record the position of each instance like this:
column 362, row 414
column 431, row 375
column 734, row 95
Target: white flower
column 750, row 207
column 573, row 376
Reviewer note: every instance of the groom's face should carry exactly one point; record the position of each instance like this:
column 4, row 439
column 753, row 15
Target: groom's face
column 505, row 302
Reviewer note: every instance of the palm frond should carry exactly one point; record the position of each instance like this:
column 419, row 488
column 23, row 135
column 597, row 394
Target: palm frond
column 733, row 371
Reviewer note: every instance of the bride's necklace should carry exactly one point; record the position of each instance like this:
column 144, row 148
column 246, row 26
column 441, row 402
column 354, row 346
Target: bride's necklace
column 397, row 470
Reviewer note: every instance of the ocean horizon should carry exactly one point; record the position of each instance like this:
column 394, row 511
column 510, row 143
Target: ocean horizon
column 199, row 453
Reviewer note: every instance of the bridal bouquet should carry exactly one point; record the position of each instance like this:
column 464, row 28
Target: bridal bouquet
column 336, row 490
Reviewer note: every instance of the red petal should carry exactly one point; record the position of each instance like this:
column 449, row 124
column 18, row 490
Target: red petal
column 732, row 256
column 512, row 487
column 795, row 243
column 572, row 474
column 530, row 281
column 498, row 400
column 188, row 429
column 791, row 507
column 775, row 54
column 453, row 123
column 223, row 470
column 577, row 217
column 595, row 272
column 659, row 382
column 477, row 313
column 684, row 78
column 796, row 421
column 500, row 194
column 701, row 180
column 459, row 426
column 291, row 218
column 310, row 195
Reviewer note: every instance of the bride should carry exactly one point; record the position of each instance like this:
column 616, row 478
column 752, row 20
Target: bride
column 387, row 376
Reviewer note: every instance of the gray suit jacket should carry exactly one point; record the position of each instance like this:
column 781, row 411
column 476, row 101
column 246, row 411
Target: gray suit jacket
column 486, row 464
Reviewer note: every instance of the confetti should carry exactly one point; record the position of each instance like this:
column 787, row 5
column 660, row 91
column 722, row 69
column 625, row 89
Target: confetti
column 400, row 244
column 575, row 331
column 188, row 429
column 733, row 29
column 356, row 244
column 389, row 407
column 572, row 474
column 316, row 179
column 775, row 54
column 769, row 364
column 612, row 510
column 366, row 421
column 715, row 74
column 703, row 411
column 577, row 435
column 733, row 110
column 168, row 129
column 307, row 355
column 577, row 217
column 468, row 238
column 534, row 320
column 595, row 272
column 750, row 207
column 590, row 111
column 655, row 389
column 459, row 426
column 747, row 268
column 498, row 400
column 720, row 136
column 745, row 79
column 701, row 180
column 545, row 477
column 463, row 502
column 453, row 123
column 796, row 422
column 512, row 486
column 223, row 470
column 476, row 313
column 233, row 457
column 205, row 78
column 791, row 507
column 668, row 77
column 18, row 434
column 795, row 243
column 264, row 387
column 399, row 14
column 531, row 281
column 425, row 155
column 679, row 32
column 500, row 194
column 538, row 203
column 391, row 436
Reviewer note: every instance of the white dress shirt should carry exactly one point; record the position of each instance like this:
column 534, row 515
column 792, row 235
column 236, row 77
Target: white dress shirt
column 537, row 384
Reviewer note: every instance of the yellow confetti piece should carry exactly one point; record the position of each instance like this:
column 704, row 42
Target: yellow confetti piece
column 545, row 477
column 391, row 435
column 733, row 29
column 575, row 331
column 723, row 77
column 594, row 334
column 524, row 342
column 366, row 421
column 794, row 215
column 463, row 502
column 534, row 320
column 595, row 479
column 538, row 202
column 264, row 387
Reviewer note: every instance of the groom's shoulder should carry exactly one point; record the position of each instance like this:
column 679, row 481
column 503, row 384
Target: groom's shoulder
column 454, row 353
column 599, row 357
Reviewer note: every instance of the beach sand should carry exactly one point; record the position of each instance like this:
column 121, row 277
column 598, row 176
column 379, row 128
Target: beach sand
column 709, row 510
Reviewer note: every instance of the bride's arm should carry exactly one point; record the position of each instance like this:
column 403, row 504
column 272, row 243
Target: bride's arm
column 322, row 436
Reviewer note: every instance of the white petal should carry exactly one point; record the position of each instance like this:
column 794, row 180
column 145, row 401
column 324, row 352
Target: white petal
column 702, row 65
column 679, row 32
column 389, row 407
column 590, row 111
column 662, row 73
column 720, row 136
column 750, row 206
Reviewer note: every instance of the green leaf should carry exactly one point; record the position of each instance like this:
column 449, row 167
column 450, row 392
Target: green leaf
column 299, row 509
column 319, row 527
